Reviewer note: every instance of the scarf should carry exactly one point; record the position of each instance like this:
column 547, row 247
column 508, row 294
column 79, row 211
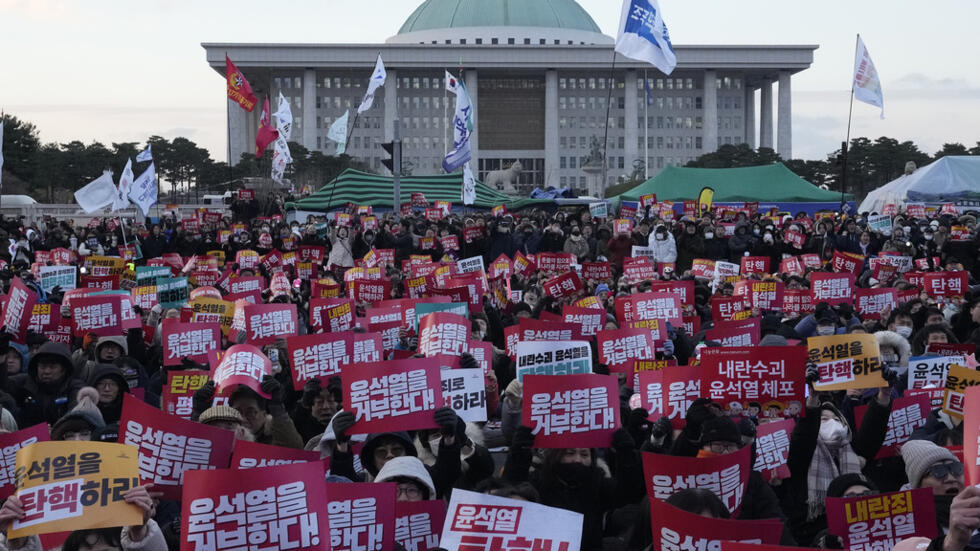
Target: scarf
column 827, row 464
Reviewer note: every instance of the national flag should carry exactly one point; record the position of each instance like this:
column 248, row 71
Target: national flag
column 338, row 132
column 280, row 153
column 377, row 81
column 284, row 118
column 121, row 200
column 646, row 88
column 643, row 35
column 469, row 185
column 143, row 192
column 266, row 134
column 462, row 128
column 97, row 194
column 867, row 85
column 451, row 83
column 145, row 155
column 239, row 90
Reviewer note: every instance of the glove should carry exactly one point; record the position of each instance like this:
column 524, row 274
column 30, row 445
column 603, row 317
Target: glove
column 342, row 423
column 310, row 391
column 622, row 441
column 446, row 418
column 662, row 428
column 812, row 374
column 697, row 414
column 890, row 375
column 271, row 386
column 203, row 397
column 637, row 421
column 523, row 438
column 668, row 347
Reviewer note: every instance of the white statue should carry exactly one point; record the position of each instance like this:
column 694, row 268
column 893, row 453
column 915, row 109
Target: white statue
column 505, row 180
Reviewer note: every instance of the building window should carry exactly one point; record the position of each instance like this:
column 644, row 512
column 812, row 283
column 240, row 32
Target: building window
column 697, row 122
column 479, row 41
column 563, row 163
column 564, row 181
column 660, row 162
column 698, row 103
column 527, row 41
column 564, row 142
column 670, row 84
column 572, row 162
column 462, row 41
column 510, row 41
column 622, row 142
column 660, row 142
column 494, row 41
column 562, row 83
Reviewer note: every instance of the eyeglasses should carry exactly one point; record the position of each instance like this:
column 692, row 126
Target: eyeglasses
column 942, row 470
column 409, row 491
column 723, row 447
column 860, row 494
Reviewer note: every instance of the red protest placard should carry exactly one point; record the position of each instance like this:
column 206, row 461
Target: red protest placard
column 764, row 295
column 265, row 323
column 649, row 306
column 564, row 285
column 523, row 265
column 847, row 262
column 246, row 284
column 639, row 269
column 443, row 333
column 946, row 284
column 916, row 210
column 871, row 302
column 362, row 516
column 797, row 302
column 571, row 411
column 951, row 349
column 770, row 375
column 242, row 364
column 794, row 238
column 772, row 449
column 250, row 455
column 395, row 395
column 596, row 270
column 17, row 310
column 971, row 435
column 881, row 521
column 670, row 393
column 724, row 475
column 331, row 315
column 189, row 340
column 703, row 268
column 727, row 308
column 754, row 265
column 792, row 266
column 472, row 233
column 736, row 333
column 178, row 391
column 9, row 444
column 419, row 523
column 591, row 319
column 908, row 414
column 368, row 291
column 618, row 348
column 318, row 356
column 555, row 262
column 811, row 260
column 833, row 289
column 287, row 508
column 169, row 446
column 104, row 315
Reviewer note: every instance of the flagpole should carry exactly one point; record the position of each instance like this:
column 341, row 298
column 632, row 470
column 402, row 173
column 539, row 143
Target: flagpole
column 847, row 139
column 646, row 126
column 445, row 120
column 605, row 139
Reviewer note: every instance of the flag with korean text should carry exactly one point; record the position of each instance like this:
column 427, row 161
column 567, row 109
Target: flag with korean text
column 643, row 35
column 571, row 411
column 10, row 444
column 846, row 361
column 192, row 341
column 773, row 376
column 772, row 449
column 725, row 475
column 242, row 364
column 483, row 521
column 265, row 323
column 881, row 521
column 907, row 414
column 395, row 395
column 675, row 529
column 866, row 86
column 170, row 446
column 281, row 507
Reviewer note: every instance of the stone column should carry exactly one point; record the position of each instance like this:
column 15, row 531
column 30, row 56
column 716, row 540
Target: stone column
column 765, row 121
column 237, row 132
column 391, row 104
column 309, row 110
column 551, row 151
column 750, row 116
column 632, row 113
column 784, row 128
column 472, row 86
column 710, row 128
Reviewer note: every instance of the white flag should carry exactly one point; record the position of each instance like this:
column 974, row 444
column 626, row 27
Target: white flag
column 145, row 155
column 452, row 84
column 462, row 129
column 643, row 35
column 867, row 85
column 143, row 192
column 284, row 118
column 377, row 81
column 97, row 194
column 338, row 132
column 122, row 192
column 280, row 151
column 469, row 185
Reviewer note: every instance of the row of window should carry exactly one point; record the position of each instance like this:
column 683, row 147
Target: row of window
column 577, row 162
column 590, row 122
column 564, row 83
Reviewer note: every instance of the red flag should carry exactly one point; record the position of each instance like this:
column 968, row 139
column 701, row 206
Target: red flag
column 266, row 134
column 239, row 89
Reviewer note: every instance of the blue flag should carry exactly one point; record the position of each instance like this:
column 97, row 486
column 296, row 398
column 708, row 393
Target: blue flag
column 462, row 128
column 643, row 35
column 646, row 87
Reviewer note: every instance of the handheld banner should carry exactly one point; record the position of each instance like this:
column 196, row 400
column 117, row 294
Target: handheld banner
column 318, row 356
column 770, row 375
column 264, row 323
column 10, row 444
column 189, row 340
column 958, row 379
column 178, row 392
column 833, row 289
column 443, row 333
column 395, row 395
column 846, row 361
column 242, row 364
column 417, row 523
column 564, row 285
column 881, row 521
column 675, row 529
column 772, row 449
column 724, row 475
column 908, row 413
column 591, row 319
column 571, row 411
column 619, row 348
column 669, row 393
column 250, row 455
column 17, row 310
column 553, row 358
column 736, row 333
column 465, row 391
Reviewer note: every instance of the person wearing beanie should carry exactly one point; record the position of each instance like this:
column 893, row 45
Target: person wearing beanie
column 48, row 390
column 851, row 485
column 930, row 466
column 109, row 381
column 413, row 480
column 82, row 421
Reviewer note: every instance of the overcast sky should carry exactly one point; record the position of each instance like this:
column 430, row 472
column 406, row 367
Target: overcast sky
column 117, row 71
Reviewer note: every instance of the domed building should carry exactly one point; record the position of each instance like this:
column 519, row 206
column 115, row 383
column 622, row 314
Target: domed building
column 540, row 75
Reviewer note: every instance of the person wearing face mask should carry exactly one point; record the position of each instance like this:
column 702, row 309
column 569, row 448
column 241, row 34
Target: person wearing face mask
column 927, row 248
column 577, row 245
column 715, row 245
column 663, row 245
column 690, row 245
column 822, row 322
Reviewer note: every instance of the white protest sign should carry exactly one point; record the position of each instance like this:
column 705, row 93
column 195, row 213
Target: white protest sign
column 643, row 252
column 480, row 519
column 553, row 358
column 930, row 372
column 58, row 276
column 465, row 392
column 880, row 223
column 471, row 264
column 599, row 210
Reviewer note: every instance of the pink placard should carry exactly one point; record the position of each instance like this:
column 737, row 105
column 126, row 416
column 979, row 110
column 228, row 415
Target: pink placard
column 189, row 340
column 265, row 323
column 571, row 411
column 725, row 475
column 395, row 395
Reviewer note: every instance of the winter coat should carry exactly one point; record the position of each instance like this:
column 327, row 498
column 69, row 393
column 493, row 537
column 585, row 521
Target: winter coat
column 689, row 247
column 619, row 248
column 663, row 251
column 39, row 403
column 577, row 246
column 340, row 252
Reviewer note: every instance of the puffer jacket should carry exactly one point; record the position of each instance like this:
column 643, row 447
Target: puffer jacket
column 663, row 251
column 577, row 246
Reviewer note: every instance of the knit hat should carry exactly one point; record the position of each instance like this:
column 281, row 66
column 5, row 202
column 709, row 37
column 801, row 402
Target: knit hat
column 773, row 339
column 601, row 288
column 919, row 455
column 840, row 484
column 84, row 416
column 720, row 429
column 221, row 413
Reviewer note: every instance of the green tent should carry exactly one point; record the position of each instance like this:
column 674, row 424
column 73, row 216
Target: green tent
column 769, row 183
column 362, row 188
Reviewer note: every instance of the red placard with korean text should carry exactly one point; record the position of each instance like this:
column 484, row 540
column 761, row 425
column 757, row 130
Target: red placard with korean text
column 728, row 308
column 571, row 411
column 104, row 315
column 669, row 393
column 17, row 310
column 770, row 375
column 870, row 302
column 794, row 238
column 159, row 436
column 443, row 333
column 703, row 268
column 10, row 443
column 946, row 284
column 591, row 319
column 596, row 270
column 772, row 449
column 880, row 521
column 736, row 333
column 391, row 396
column 792, row 266
column 647, row 306
column 250, row 455
column 724, row 475
column 189, row 340
column 318, row 356
column 362, row 516
column 178, row 391
column 797, row 302
column 618, row 348
column 754, row 265
column 907, row 414
column 419, row 523
column 242, row 364
column 833, row 289
column 564, row 285
column 847, row 262
column 265, row 323
column 971, row 435
column 331, row 315
column 555, row 262
column 765, row 295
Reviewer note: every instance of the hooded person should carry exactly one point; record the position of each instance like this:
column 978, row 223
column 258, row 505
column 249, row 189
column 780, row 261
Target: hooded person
column 48, row 390
column 411, row 476
column 107, row 349
column 663, row 245
column 82, row 421
column 109, row 381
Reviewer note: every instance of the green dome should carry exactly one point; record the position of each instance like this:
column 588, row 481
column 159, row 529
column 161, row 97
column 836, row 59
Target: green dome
column 447, row 14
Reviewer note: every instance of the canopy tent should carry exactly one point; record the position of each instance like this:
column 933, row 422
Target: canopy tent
column 774, row 184
column 361, row 188
column 947, row 180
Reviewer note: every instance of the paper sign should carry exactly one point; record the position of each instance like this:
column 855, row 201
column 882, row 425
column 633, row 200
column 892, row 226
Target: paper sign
column 770, row 375
column 566, row 284
column 669, row 393
column 946, row 284
column 189, row 340
column 958, row 379
column 571, row 411
column 772, row 449
column 439, row 304
column 833, row 289
column 599, row 210
column 907, row 415
column 159, row 436
column 58, row 276
column 618, row 348
column 871, row 302
column 10, row 444
column 555, row 262
column 395, row 395
column 318, row 356
column 83, row 490
column 249, row 455
column 971, row 435
column 178, row 392
column 443, row 333
column 465, row 391
column 929, row 372
column 102, row 315
column 553, row 358
column 17, row 310
column 484, row 521
column 736, row 333
column 881, row 521
column 725, row 475
column 264, row 323
column 591, row 319
column 242, row 364
column 172, row 292
column 846, row 361
column 418, row 523
column 649, row 306
column 764, row 295
column 282, row 507
column 675, row 529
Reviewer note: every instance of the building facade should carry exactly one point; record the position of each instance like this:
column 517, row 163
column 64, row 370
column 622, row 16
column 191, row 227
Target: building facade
column 543, row 81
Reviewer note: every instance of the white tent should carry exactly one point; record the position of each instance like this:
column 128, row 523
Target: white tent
column 947, row 180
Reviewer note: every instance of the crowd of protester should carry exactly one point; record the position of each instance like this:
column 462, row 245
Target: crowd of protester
column 78, row 390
